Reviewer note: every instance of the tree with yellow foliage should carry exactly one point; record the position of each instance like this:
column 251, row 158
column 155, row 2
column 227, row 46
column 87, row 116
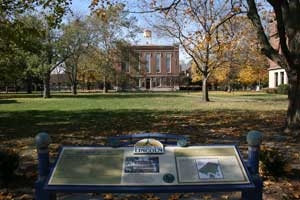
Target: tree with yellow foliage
column 244, row 62
column 198, row 27
column 112, row 28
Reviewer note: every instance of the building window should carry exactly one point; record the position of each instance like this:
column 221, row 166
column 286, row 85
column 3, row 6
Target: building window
column 163, row 82
column 168, row 62
column 282, row 77
column 137, row 82
column 125, row 67
column 143, row 82
column 276, row 79
column 139, row 60
column 153, row 82
column 157, row 62
column 148, row 62
column 168, row 82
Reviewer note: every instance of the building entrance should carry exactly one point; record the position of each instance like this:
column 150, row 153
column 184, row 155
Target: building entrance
column 148, row 83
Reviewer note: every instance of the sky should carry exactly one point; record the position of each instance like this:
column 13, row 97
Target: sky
column 81, row 7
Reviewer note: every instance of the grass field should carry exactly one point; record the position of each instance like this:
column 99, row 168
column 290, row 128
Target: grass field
column 24, row 115
column 90, row 118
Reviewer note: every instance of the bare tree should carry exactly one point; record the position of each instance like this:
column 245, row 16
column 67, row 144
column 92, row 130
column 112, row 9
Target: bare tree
column 199, row 27
column 76, row 39
column 112, row 28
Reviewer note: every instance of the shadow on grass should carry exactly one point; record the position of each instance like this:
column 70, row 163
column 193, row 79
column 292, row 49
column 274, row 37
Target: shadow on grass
column 263, row 95
column 258, row 97
column 6, row 101
column 199, row 125
column 95, row 95
column 20, row 95
column 118, row 95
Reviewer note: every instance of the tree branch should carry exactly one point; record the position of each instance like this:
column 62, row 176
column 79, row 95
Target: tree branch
column 172, row 5
column 267, row 49
column 281, row 29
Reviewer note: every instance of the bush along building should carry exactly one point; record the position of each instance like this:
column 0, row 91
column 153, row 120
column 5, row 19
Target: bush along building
column 152, row 67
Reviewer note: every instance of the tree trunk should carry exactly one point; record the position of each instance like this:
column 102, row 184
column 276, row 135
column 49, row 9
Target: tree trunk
column 34, row 86
column 229, row 88
column 104, row 85
column 46, row 82
column 6, row 89
column 204, row 89
column 293, row 112
column 74, row 78
column 74, row 88
column 29, row 84
column 15, row 86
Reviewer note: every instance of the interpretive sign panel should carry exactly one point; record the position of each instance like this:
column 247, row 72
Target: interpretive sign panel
column 89, row 166
column 194, row 165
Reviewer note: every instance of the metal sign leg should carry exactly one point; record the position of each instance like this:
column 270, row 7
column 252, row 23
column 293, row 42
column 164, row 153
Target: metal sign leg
column 42, row 141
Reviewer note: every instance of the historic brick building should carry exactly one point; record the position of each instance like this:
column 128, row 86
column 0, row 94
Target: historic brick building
column 154, row 67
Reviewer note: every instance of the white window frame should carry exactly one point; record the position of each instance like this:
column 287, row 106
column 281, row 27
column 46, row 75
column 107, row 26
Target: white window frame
column 170, row 67
column 148, row 54
column 160, row 81
column 158, row 64
column 127, row 67
column 139, row 64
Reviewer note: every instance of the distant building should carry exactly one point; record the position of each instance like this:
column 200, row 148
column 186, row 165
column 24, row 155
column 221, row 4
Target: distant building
column 277, row 75
column 59, row 82
column 148, row 67
column 156, row 68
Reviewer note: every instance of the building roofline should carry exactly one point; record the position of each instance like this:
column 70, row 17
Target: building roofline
column 275, row 68
column 151, row 46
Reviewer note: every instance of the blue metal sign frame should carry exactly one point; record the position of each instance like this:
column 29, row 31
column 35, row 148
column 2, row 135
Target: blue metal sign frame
column 158, row 189
column 250, row 191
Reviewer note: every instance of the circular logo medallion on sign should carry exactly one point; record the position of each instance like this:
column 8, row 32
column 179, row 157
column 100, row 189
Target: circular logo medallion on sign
column 182, row 142
column 169, row 178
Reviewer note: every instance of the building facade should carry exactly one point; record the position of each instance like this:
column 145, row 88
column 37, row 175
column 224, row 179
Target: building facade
column 277, row 75
column 154, row 67
column 59, row 81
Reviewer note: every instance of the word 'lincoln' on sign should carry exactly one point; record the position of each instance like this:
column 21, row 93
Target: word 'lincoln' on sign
column 149, row 146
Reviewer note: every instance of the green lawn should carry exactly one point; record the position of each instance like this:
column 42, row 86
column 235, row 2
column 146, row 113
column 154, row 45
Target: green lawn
column 231, row 114
column 89, row 118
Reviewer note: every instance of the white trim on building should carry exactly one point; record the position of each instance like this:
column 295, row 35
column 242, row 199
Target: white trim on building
column 158, row 62
column 169, row 62
column 148, row 62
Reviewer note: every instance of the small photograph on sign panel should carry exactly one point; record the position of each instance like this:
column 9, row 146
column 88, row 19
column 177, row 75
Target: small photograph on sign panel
column 141, row 165
column 209, row 168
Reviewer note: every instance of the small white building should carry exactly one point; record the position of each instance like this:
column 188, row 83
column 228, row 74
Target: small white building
column 277, row 76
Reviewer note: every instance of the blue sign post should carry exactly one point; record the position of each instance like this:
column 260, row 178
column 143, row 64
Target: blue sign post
column 254, row 139
column 42, row 142
column 250, row 191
